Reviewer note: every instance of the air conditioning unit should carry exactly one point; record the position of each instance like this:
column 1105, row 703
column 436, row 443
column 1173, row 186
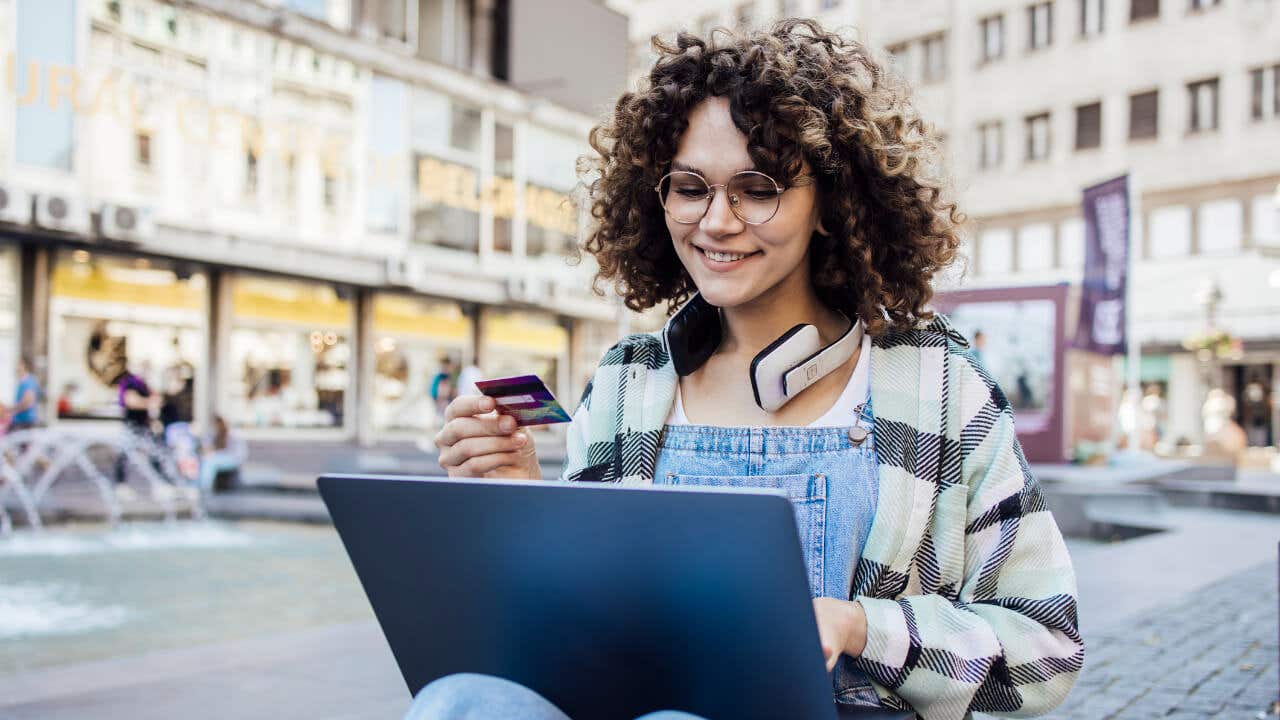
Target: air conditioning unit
column 15, row 205
column 62, row 212
column 126, row 223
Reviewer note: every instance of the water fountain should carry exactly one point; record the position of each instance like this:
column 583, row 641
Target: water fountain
column 33, row 461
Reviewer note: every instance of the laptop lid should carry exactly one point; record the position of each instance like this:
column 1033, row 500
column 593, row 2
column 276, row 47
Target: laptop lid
column 610, row 601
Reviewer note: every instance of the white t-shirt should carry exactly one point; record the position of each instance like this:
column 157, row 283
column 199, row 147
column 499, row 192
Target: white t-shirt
column 842, row 414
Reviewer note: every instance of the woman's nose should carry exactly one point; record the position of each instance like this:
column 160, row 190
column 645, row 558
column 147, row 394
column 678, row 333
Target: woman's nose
column 719, row 219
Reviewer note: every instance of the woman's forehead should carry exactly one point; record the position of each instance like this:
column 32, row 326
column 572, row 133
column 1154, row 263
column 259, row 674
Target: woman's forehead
column 711, row 143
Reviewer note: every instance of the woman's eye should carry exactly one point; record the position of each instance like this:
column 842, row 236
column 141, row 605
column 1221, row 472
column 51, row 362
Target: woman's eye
column 760, row 194
column 692, row 192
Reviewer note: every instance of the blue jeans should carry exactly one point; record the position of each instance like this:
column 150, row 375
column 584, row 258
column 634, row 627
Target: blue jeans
column 214, row 463
column 468, row 696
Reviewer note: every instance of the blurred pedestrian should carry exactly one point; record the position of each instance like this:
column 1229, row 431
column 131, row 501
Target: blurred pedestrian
column 24, row 413
column 467, row 378
column 224, row 452
column 66, row 400
column 443, row 385
column 138, row 403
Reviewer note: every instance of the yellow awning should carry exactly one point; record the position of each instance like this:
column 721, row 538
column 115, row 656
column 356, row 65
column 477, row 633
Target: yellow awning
column 291, row 301
column 118, row 284
column 520, row 331
column 406, row 316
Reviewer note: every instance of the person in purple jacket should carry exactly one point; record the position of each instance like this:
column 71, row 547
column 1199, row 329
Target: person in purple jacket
column 137, row 401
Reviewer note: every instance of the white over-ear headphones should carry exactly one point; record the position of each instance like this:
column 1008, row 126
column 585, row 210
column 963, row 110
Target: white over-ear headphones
column 779, row 372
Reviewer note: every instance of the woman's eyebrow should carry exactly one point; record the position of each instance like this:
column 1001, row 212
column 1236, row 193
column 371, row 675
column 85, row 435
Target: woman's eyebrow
column 677, row 165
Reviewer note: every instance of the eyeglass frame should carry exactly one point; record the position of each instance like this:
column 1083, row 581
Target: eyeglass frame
column 779, row 189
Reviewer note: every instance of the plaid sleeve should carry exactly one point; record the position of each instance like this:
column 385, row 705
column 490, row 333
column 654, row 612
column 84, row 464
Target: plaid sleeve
column 1006, row 641
column 575, row 457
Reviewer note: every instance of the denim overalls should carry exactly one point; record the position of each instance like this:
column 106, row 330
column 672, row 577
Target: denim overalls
column 831, row 479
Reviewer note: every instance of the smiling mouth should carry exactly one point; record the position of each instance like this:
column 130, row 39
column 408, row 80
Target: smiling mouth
column 723, row 256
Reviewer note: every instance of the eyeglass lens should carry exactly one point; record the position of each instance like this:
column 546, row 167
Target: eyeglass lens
column 752, row 196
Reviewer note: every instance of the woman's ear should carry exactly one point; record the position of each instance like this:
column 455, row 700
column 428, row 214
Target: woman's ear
column 822, row 230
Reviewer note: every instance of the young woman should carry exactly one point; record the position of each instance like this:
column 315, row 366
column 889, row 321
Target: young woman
column 785, row 178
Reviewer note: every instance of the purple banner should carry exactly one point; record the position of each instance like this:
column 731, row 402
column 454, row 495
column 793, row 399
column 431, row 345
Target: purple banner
column 1101, row 328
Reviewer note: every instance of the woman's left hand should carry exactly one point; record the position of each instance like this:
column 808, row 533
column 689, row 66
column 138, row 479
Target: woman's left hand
column 842, row 628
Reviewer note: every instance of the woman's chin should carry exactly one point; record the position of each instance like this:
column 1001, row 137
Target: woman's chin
column 724, row 297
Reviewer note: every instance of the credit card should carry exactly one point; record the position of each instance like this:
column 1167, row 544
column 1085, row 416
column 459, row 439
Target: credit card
column 525, row 398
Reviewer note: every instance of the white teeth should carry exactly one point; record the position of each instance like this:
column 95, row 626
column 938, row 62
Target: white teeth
column 723, row 257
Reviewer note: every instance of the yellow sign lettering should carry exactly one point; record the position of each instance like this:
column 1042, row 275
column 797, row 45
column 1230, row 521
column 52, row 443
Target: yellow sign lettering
column 64, row 82
column 33, row 82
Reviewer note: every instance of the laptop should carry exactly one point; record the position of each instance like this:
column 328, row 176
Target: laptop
column 610, row 601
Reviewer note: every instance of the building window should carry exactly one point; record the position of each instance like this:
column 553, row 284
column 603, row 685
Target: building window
column 502, row 196
column 1144, row 115
column 317, row 9
column 830, row 4
column 1089, row 126
column 1091, row 14
column 250, row 171
column 1143, row 9
column 990, row 145
column 992, row 30
column 995, row 252
column 1265, row 96
column 1170, row 232
column 900, row 57
column 464, row 128
column 391, row 19
column 142, row 149
column 291, row 178
column 1220, row 227
column 746, row 15
column 285, row 179
column 1040, row 25
column 1203, row 99
column 789, row 8
column 1035, row 247
column 330, row 190
column 935, row 58
column 1038, row 137
column 1204, row 4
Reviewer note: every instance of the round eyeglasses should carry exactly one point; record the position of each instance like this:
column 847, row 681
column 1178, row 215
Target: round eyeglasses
column 753, row 196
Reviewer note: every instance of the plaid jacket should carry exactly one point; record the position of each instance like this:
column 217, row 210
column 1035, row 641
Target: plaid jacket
column 968, row 588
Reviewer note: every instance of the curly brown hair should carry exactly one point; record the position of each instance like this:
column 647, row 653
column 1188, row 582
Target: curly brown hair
column 799, row 94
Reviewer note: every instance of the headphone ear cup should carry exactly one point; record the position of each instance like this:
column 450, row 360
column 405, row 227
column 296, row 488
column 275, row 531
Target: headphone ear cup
column 771, row 365
column 693, row 334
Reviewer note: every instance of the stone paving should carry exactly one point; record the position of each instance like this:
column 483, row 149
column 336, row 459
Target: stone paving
column 1211, row 654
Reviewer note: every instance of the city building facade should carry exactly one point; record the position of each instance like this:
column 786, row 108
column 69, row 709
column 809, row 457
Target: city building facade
column 1036, row 100
column 290, row 213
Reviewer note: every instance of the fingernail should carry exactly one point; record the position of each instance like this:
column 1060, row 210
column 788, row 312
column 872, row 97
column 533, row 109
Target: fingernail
column 521, row 438
column 508, row 424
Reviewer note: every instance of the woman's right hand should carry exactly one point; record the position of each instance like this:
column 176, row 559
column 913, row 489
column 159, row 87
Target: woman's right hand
column 473, row 444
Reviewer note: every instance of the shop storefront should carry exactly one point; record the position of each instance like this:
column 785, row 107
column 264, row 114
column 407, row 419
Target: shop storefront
column 111, row 313
column 289, row 360
column 9, row 314
column 526, row 343
column 413, row 339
